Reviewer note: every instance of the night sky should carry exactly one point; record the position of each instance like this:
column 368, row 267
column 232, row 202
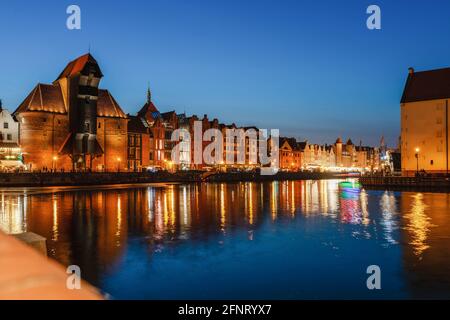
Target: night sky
column 310, row 68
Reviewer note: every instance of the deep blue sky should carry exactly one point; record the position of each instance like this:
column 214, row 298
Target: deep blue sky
column 309, row 68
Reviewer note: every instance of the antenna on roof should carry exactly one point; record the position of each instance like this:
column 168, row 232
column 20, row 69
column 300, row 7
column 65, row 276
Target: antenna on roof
column 89, row 49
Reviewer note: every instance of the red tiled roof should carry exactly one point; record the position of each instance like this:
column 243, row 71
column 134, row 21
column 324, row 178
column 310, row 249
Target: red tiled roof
column 107, row 106
column 43, row 97
column 148, row 107
column 48, row 98
column 427, row 85
column 77, row 65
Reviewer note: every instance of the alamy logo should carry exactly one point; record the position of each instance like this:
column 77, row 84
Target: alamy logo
column 374, row 20
column 374, row 280
column 74, row 20
column 229, row 146
column 74, row 279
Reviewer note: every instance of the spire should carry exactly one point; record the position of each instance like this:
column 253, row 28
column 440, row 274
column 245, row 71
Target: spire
column 149, row 94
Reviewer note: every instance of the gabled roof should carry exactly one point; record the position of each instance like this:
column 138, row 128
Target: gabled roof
column 76, row 66
column 147, row 107
column 107, row 106
column 48, row 98
column 292, row 142
column 427, row 85
column 44, row 97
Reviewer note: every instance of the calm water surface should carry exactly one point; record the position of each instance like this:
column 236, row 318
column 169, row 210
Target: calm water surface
column 290, row 240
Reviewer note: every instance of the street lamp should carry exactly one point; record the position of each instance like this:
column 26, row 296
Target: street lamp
column 417, row 159
column 55, row 158
column 118, row 164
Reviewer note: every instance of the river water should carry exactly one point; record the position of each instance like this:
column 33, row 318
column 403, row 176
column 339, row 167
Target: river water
column 276, row 240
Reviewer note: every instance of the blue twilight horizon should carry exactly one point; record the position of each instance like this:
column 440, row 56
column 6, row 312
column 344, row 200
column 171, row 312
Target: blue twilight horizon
column 310, row 68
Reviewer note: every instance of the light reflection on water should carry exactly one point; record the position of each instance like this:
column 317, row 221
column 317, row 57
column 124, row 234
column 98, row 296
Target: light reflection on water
column 419, row 223
column 272, row 240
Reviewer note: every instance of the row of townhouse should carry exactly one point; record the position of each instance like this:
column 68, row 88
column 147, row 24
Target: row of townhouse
column 73, row 125
column 295, row 155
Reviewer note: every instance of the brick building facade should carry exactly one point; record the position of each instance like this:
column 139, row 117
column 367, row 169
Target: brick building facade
column 71, row 124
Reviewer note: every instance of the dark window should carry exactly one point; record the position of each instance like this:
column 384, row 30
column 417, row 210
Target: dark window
column 99, row 125
column 9, row 136
column 431, row 162
column 151, row 155
column 1, row 136
column 5, row 125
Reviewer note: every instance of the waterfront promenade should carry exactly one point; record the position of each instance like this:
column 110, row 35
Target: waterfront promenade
column 108, row 178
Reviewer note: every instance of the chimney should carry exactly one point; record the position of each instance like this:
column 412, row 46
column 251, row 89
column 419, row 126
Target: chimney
column 411, row 70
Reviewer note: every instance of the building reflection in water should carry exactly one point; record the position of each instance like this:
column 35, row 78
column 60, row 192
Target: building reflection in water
column 388, row 205
column 418, row 223
column 13, row 212
column 93, row 228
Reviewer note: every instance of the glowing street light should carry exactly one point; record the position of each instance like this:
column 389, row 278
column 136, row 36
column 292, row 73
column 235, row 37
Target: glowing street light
column 55, row 158
column 417, row 158
column 118, row 163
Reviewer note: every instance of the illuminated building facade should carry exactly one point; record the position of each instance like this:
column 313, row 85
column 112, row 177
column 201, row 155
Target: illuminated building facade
column 185, row 143
column 10, row 152
column 425, row 122
column 71, row 124
column 138, row 144
column 319, row 157
column 291, row 155
column 159, row 128
column 296, row 156
column 360, row 158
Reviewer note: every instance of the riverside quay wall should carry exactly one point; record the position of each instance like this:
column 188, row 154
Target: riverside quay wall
column 426, row 183
column 109, row 178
